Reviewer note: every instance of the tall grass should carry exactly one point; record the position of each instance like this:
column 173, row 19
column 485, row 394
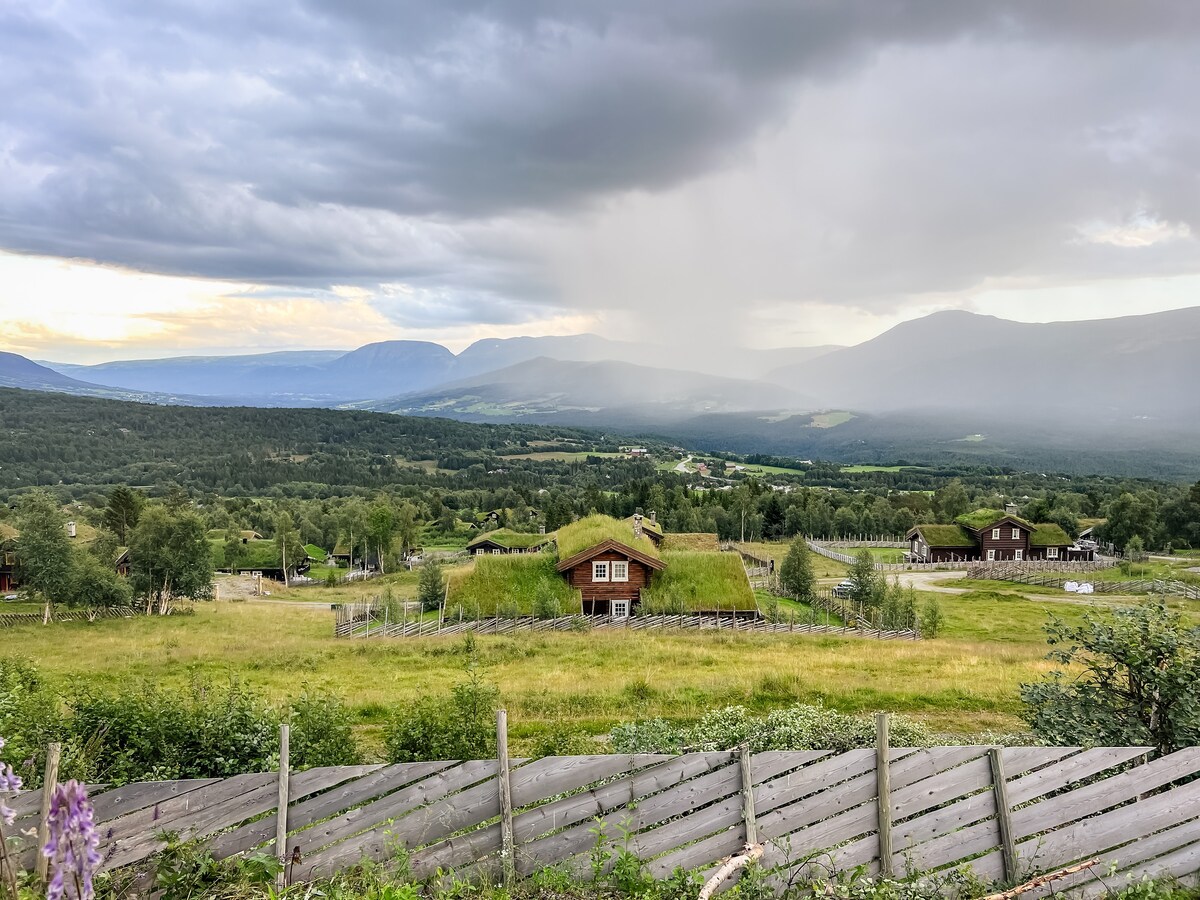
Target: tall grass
column 592, row 530
column 698, row 582
column 510, row 586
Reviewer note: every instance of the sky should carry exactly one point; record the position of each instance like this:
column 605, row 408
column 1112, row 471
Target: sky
column 192, row 177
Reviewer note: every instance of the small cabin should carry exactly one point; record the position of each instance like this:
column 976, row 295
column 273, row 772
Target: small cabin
column 504, row 541
column 610, row 576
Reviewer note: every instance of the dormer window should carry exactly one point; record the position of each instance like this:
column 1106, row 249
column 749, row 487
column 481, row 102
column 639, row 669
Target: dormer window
column 1016, row 534
column 995, row 534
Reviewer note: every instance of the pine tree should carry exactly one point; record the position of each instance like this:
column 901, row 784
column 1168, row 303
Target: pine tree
column 431, row 587
column 796, row 571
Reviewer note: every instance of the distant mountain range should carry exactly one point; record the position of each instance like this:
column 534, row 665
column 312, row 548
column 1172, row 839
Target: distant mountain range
column 1104, row 370
column 555, row 390
column 389, row 368
column 957, row 383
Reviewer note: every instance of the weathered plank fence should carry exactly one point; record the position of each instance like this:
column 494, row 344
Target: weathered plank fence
column 357, row 621
column 11, row 620
column 1055, row 579
column 813, row 811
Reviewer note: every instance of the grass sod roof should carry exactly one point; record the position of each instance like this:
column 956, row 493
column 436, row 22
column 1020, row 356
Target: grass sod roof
column 983, row 518
column 251, row 555
column 315, row 552
column 1049, row 535
column 945, row 536
column 692, row 540
column 513, row 540
column 695, row 581
column 509, row 583
column 592, row 530
column 647, row 525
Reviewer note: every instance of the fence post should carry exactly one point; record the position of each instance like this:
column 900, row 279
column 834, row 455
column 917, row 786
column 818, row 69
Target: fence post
column 883, row 782
column 1008, row 846
column 281, row 808
column 507, row 845
column 49, row 783
column 746, row 762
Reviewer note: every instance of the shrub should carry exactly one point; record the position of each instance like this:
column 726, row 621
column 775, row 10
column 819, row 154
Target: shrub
column 321, row 733
column 462, row 726
column 798, row 727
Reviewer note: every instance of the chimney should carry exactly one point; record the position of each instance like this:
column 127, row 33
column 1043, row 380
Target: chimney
column 637, row 525
column 653, row 517
column 1010, row 509
column 71, row 529
column 541, row 529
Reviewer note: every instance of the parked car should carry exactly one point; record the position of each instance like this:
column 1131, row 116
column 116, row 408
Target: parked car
column 843, row 590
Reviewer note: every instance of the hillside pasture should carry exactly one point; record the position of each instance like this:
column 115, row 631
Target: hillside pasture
column 698, row 582
column 963, row 683
column 510, row 585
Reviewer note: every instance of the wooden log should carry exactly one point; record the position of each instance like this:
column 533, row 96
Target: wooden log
column 281, row 813
column 883, row 791
column 747, row 767
column 1042, row 879
column 49, row 783
column 1008, row 846
column 748, row 855
column 504, row 785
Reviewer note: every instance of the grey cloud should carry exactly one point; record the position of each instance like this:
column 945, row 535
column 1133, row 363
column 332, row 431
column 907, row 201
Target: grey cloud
column 449, row 145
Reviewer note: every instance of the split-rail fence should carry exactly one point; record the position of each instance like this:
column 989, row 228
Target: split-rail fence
column 362, row 620
column 1006, row 813
column 1020, row 575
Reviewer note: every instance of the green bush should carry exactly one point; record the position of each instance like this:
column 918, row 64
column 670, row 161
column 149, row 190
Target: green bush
column 798, row 727
column 321, row 733
column 462, row 726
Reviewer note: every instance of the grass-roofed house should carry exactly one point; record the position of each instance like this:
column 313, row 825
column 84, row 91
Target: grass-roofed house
column 504, row 541
column 609, row 562
column 992, row 535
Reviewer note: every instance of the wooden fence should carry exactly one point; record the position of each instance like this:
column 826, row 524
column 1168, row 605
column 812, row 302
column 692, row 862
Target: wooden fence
column 1040, row 578
column 1006, row 813
column 358, row 621
column 11, row 620
column 1031, row 565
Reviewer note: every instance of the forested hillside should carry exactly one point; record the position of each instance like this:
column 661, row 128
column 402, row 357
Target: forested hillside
column 52, row 438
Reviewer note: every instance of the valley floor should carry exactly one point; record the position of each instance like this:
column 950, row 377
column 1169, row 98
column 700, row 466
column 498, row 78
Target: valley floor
column 962, row 683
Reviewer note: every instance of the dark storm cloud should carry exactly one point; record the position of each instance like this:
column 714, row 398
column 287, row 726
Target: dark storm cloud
column 366, row 141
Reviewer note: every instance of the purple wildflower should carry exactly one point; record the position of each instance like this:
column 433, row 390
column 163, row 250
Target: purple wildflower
column 10, row 781
column 72, row 845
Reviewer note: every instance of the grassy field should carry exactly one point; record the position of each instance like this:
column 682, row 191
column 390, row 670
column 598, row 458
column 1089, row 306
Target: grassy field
column 823, row 567
column 965, row 681
column 881, row 554
column 562, row 456
column 853, row 469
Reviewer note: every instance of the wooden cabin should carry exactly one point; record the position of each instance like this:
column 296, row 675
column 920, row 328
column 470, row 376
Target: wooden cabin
column 992, row 536
column 504, row 541
column 610, row 576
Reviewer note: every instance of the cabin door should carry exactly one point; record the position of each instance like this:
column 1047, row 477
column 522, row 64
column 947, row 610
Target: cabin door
column 620, row 609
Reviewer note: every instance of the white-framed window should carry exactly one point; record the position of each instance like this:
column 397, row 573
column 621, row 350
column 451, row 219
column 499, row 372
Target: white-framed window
column 1016, row 534
column 991, row 555
column 620, row 609
column 479, row 551
column 1018, row 554
column 495, row 551
column 1051, row 553
column 599, row 571
column 620, row 571
column 995, row 534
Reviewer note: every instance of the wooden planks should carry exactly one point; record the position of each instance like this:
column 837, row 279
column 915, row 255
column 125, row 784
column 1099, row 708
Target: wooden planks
column 809, row 808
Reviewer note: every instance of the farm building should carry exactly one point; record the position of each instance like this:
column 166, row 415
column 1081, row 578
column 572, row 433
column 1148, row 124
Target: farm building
column 79, row 532
column 503, row 541
column 254, row 556
column 604, row 567
column 992, row 535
